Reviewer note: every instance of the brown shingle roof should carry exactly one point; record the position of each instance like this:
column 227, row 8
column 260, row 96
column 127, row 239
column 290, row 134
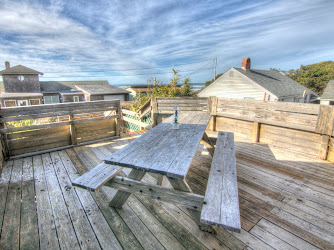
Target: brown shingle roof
column 20, row 70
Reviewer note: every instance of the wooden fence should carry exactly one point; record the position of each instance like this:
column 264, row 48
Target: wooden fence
column 84, row 124
column 293, row 126
column 163, row 106
column 304, row 128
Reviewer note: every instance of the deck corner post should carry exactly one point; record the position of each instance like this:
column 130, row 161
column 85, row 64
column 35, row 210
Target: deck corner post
column 154, row 111
column 212, row 110
column 256, row 132
column 323, row 149
column 73, row 133
column 118, row 119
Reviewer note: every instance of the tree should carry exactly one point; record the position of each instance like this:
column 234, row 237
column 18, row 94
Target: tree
column 211, row 81
column 159, row 89
column 314, row 76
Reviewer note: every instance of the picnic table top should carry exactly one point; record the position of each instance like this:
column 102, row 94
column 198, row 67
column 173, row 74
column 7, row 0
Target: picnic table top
column 164, row 150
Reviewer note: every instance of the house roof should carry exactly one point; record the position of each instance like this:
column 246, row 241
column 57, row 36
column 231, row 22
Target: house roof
column 67, row 86
column 139, row 89
column 93, row 89
column 15, row 95
column 329, row 91
column 276, row 82
column 20, row 70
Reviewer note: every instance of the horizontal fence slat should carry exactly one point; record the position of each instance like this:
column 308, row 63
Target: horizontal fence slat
column 305, row 108
column 41, row 147
column 37, row 141
column 54, row 113
column 78, row 107
column 37, row 132
column 266, row 121
column 129, row 112
column 139, row 123
column 56, row 124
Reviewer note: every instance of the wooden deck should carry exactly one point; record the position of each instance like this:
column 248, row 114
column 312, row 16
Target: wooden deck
column 286, row 202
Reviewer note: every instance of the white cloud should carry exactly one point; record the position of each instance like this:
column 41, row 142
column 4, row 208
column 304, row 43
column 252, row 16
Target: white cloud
column 104, row 35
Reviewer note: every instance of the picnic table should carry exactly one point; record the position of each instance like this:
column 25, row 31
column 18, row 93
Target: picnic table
column 167, row 152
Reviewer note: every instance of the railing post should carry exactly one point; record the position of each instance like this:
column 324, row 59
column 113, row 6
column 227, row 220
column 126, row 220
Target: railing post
column 154, row 111
column 4, row 142
column 73, row 132
column 118, row 120
column 325, row 125
column 256, row 132
column 212, row 109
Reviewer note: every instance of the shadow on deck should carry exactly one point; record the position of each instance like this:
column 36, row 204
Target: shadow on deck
column 286, row 202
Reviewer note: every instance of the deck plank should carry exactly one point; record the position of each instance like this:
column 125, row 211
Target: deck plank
column 103, row 232
column 4, row 183
column 284, row 205
column 123, row 233
column 10, row 231
column 29, row 238
column 65, row 231
column 46, row 224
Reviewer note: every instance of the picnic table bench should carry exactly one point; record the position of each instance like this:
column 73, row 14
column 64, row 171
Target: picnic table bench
column 169, row 152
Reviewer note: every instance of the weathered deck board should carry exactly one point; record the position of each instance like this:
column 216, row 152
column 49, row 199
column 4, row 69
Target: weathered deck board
column 10, row 233
column 65, row 231
column 285, row 202
column 46, row 223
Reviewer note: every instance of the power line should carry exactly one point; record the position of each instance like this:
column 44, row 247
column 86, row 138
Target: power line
column 199, row 69
column 121, row 75
column 106, row 71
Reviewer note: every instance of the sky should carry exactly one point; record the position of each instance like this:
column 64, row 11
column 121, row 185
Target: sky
column 128, row 42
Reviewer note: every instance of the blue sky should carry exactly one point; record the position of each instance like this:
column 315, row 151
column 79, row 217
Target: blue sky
column 127, row 42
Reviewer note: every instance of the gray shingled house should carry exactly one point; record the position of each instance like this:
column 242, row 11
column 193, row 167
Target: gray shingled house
column 21, row 87
column 268, row 85
column 327, row 97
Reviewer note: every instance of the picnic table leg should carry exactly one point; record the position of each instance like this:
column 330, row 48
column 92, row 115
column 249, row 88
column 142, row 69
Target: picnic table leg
column 120, row 197
column 196, row 215
column 160, row 180
column 208, row 144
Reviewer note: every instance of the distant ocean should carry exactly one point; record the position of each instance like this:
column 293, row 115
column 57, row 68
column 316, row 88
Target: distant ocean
column 194, row 86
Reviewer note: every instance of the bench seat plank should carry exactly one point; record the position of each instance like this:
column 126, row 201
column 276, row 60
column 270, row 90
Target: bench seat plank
column 94, row 179
column 221, row 207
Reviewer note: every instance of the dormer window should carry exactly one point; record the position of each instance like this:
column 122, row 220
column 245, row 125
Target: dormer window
column 21, row 78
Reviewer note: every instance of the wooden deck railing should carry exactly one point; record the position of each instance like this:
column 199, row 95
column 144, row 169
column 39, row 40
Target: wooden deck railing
column 292, row 126
column 84, row 123
column 304, row 128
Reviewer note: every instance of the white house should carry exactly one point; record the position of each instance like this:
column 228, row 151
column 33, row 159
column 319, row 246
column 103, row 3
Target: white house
column 327, row 97
column 247, row 83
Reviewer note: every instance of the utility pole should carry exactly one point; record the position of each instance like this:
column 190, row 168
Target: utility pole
column 215, row 69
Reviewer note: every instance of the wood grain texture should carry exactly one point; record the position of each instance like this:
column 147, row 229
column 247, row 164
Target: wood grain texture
column 97, row 177
column 164, row 150
column 325, row 122
column 222, row 205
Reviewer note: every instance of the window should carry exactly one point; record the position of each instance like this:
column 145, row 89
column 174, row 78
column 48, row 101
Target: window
column 75, row 98
column 21, row 103
column 10, row 103
column 35, row 101
column 21, row 78
column 51, row 99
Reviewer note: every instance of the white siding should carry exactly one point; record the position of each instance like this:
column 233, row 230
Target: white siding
column 234, row 85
